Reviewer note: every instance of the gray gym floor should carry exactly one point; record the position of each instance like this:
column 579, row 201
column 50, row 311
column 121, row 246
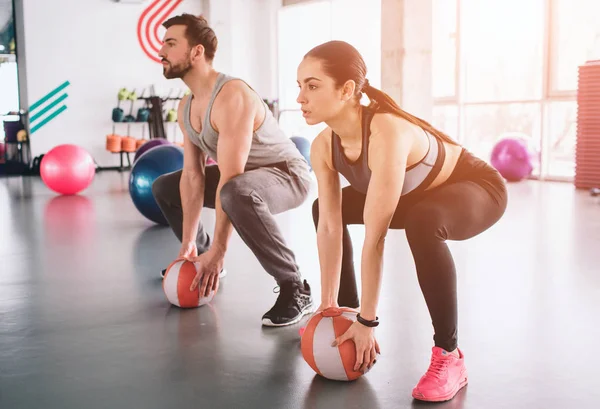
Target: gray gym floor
column 84, row 322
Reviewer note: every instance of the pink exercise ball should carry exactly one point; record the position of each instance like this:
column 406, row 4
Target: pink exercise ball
column 513, row 158
column 67, row 169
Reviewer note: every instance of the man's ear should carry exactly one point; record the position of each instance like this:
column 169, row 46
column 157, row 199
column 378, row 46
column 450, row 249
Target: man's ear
column 197, row 52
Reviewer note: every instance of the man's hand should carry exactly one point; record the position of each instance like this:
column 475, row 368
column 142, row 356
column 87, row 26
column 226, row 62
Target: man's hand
column 210, row 266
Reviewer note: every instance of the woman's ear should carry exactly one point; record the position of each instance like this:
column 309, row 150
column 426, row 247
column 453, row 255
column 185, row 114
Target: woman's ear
column 348, row 90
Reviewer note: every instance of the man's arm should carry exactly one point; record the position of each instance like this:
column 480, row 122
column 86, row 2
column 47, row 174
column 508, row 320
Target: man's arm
column 191, row 184
column 233, row 116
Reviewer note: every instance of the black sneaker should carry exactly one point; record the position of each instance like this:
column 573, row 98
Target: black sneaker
column 294, row 302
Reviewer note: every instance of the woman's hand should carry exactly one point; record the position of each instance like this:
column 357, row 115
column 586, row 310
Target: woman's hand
column 324, row 306
column 367, row 347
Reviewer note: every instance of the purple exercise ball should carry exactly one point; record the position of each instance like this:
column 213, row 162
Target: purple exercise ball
column 513, row 159
column 152, row 143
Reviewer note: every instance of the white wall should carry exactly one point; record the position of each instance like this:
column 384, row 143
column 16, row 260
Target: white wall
column 330, row 20
column 417, row 96
column 406, row 54
column 93, row 44
column 247, row 35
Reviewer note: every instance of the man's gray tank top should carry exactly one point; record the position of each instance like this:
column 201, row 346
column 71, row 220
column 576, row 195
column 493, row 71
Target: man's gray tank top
column 269, row 145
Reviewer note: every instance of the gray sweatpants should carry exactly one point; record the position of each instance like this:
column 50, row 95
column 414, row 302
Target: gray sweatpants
column 250, row 200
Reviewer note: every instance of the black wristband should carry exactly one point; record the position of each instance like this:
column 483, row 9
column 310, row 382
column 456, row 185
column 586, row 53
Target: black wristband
column 367, row 323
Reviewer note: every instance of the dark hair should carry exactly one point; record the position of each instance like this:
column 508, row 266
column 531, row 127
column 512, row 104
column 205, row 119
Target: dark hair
column 197, row 32
column 342, row 62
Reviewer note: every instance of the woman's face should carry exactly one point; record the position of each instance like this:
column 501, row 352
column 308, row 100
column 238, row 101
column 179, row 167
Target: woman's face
column 318, row 96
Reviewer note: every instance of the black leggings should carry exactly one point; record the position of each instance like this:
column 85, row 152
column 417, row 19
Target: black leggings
column 468, row 203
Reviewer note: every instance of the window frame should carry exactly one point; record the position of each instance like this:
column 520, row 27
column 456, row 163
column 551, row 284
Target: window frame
column 549, row 93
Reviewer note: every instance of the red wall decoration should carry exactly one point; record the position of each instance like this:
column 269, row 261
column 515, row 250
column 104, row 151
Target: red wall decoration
column 150, row 21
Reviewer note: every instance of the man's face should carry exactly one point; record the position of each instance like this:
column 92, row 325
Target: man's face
column 175, row 53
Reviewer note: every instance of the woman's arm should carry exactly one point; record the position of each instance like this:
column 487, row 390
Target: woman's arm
column 329, row 228
column 389, row 146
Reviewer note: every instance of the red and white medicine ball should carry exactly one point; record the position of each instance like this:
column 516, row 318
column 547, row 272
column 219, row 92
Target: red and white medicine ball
column 336, row 363
column 176, row 285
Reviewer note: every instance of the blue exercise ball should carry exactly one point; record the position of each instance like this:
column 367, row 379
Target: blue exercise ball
column 156, row 162
column 303, row 146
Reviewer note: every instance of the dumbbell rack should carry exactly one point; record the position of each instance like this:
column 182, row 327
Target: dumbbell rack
column 156, row 129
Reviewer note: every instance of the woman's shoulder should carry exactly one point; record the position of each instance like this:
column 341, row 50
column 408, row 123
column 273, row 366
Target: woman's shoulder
column 391, row 133
column 323, row 138
column 385, row 122
column 320, row 148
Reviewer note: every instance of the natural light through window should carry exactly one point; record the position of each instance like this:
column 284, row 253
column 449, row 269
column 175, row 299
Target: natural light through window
column 517, row 74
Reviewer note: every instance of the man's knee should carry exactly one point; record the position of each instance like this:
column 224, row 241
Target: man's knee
column 166, row 186
column 233, row 193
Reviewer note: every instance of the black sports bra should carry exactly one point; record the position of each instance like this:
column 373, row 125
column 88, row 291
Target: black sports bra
column 418, row 176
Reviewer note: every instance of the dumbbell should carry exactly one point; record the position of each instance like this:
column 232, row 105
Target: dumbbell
column 131, row 97
column 172, row 115
column 117, row 113
column 123, row 94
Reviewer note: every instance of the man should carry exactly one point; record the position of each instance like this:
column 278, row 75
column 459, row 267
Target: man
column 259, row 171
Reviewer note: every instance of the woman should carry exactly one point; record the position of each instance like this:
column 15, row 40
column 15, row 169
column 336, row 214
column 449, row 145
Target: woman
column 404, row 174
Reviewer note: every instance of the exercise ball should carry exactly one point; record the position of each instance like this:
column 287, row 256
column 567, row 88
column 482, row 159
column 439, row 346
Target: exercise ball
column 335, row 363
column 303, row 146
column 176, row 285
column 152, row 143
column 154, row 163
column 67, row 169
column 512, row 158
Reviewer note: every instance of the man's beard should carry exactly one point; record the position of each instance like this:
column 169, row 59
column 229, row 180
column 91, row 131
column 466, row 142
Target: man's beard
column 177, row 71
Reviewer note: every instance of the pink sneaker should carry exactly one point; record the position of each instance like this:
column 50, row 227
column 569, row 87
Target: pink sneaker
column 444, row 378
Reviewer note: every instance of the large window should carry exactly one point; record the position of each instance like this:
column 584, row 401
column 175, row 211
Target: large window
column 305, row 25
column 502, row 49
column 486, row 123
column 575, row 34
column 510, row 68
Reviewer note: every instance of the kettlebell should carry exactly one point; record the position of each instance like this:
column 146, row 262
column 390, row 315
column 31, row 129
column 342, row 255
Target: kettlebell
column 172, row 115
column 143, row 114
column 117, row 115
